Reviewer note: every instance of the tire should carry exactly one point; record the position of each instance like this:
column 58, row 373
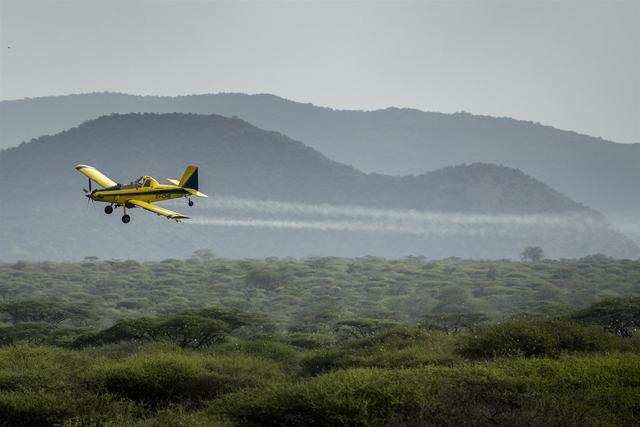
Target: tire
column 108, row 209
column 190, row 202
column 126, row 219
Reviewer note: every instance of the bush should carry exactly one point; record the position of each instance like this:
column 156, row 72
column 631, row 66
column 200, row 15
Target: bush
column 359, row 328
column 154, row 379
column 38, row 333
column 283, row 354
column 599, row 390
column 396, row 337
column 620, row 316
column 534, row 337
column 157, row 379
column 124, row 330
column 45, row 408
column 39, row 368
column 266, row 278
column 35, row 407
column 240, row 371
column 344, row 398
column 406, row 346
column 45, row 311
column 174, row 417
column 40, row 386
column 309, row 341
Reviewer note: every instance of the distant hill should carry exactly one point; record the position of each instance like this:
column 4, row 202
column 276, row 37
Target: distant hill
column 46, row 215
column 240, row 159
column 395, row 141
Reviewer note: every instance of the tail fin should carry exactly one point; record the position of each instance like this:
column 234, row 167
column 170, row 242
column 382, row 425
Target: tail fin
column 190, row 178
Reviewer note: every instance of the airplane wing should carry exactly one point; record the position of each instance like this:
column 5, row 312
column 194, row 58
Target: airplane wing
column 157, row 209
column 96, row 175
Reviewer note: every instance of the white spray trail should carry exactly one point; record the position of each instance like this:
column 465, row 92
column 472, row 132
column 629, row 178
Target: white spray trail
column 373, row 220
column 268, row 206
column 354, row 226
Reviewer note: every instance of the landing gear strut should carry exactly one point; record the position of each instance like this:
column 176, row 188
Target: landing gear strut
column 190, row 202
column 108, row 209
column 125, row 218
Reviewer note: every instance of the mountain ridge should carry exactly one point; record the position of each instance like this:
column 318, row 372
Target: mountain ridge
column 393, row 141
column 322, row 107
column 136, row 122
column 240, row 160
column 298, row 104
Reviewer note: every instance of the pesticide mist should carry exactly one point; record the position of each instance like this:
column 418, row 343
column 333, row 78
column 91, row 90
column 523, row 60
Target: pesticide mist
column 239, row 212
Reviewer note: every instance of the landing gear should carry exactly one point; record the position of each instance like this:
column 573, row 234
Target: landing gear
column 108, row 209
column 125, row 218
column 190, row 202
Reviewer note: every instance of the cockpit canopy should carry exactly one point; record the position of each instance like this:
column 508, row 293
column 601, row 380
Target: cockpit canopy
column 145, row 181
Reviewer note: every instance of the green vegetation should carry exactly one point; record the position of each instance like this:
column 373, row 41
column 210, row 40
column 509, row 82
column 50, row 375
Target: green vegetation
column 307, row 295
column 517, row 392
column 320, row 341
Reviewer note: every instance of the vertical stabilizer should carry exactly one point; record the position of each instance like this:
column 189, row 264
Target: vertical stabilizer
column 190, row 178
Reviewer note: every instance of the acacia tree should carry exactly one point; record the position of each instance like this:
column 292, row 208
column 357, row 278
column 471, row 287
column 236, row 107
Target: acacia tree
column 266, row 278
column 192, row 331
column 532, row 253
column 454, row 322
column 40, row 310
column 189, row 328
column 203, row 255
column 620, row 316
column 360, row 328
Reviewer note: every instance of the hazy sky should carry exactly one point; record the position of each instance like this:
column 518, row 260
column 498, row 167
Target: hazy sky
column 573, row 65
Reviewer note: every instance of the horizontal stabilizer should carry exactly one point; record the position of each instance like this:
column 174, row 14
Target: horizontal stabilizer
column 196, row 193
column 173, row 181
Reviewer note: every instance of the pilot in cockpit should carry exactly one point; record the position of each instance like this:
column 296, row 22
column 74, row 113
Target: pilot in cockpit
column 138, row 182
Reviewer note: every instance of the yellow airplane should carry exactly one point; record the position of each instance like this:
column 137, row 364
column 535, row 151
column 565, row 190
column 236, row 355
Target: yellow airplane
column 141, row 192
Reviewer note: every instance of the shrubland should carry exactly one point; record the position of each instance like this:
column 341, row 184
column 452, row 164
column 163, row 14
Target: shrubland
column 320, row 341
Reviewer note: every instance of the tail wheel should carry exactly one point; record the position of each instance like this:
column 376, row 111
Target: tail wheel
column 190, row 202
column 108, row 209
column 126, row 218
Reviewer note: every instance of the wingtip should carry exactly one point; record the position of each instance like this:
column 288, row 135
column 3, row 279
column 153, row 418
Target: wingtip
column 178, row 217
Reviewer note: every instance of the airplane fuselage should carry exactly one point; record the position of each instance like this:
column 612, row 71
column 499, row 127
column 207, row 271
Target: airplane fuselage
column 120, row 194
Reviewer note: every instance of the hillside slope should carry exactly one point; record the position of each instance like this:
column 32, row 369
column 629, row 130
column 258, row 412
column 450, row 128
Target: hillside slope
column 47, row 217
column 395, row 141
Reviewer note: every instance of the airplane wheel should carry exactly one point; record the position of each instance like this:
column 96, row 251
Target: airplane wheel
column 108, row 209
column 126, row 219
column 190, row 202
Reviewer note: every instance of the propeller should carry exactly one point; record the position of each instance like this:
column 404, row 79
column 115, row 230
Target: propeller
column 88, row 195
